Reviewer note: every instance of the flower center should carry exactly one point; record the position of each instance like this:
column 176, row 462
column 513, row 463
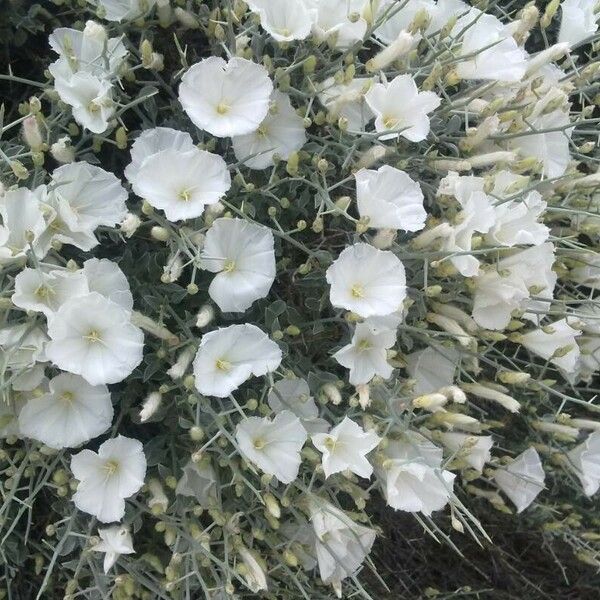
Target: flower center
column 185, row 195
column 262, row 131
column 111, row 466
column 285, row 32
column 93, row 107
column 357, row 291
column 223, row 365
column 44, row 292
column 258, row 443
column 390, row 122
column 93, row 336
column 222, row 108
column 330, row 443
column 67, row 397
column 229, row 266
column 364, row 345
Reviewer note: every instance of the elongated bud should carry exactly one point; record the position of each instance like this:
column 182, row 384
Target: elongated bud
column 150, row 405
column 430, row 402
column 489, row 393
column 451, row 326
column 130, row 224
column 32, row 133
column 178, row 370
column 205, row 316
column 158, row 502
column 186, row 18
column 403, row 44
column 154, row 328
column 564, row 432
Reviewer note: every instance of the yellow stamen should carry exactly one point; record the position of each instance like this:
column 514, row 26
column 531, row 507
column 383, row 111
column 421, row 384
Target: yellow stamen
column 67, row 397
column 229, row 266
column 93, row 336
column 259, row 443
column 185, row 195
column 357, row 291
column 223, row 108
column 223, row 365
column 111, row 466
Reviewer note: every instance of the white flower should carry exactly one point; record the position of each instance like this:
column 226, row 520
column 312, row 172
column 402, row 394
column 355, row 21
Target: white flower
column 587, row 269
column 585, row 461
column 347, row 100
column 90, row 99
column 108, row 477
column 198, row 481
column 284, row 21
column 433, row 368
column 503, row 61
column 229, row 356
column 578, row 21
column 151, row 142
column 181, row 182
column 255, row 575
column 551, row 145
column 556, row 342
column 390, row 199
column 281, row 133
column 93, row 337
column 475, row 449
column 71, row 413
column 273, row 445
column 23, row 220
column 366, row 355
column 294, row 395
column 226, row 98
column 367, row 281
column 522, row 480
column 399, row 107
column 123, row 10
column 243, row 256
column 88, row 51
column 341, row 544
column 589, row 342
column 86, row 196
column 507, row 287
column 105, row 277
column 23, row 345
column 114, row 541
column 47, row 292
column 399, row 17
column 340, row 21
column 346, row 447
column 412, row 476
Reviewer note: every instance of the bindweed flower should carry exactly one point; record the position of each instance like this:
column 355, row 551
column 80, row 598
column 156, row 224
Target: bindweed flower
column 114, row 541
column 229, row 356
column 122, row 10
column 522, row 480
column 578, row 21
column 108, row 477
column 584, row 459
column 71, row 413
column 367, row 281
column 475, row 449
column 273, row 445
column 284, row 21
column 226, row 98
column 345, row 448
column 243, row 256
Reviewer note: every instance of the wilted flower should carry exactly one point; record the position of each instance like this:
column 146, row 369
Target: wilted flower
column 114, row 541
column 475, row 449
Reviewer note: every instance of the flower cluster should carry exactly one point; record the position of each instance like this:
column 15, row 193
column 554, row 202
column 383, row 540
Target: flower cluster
column 264, row 262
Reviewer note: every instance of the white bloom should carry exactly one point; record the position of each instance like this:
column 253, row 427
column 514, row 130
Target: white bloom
column 198, row 481
column 341, row 544
column 23, row 345
column 284, row 21
column 507, row 287
column 114, row 541
column 347, row 100
column 85, row 197
column 93, row 337
column 23, row 220
column 475, row 449
column 578, row 21
column 273, row 445
column 229, row 356
column 412, row 476
column 47, row 292
column 108, row 477
column 181, row 182
column 587, row 269
column 367, row 281
column 433, row 368
column 123, row 10
column 558, row 336
column 281, row 133
column 585, row 461
column 255, row 575
column 549, row 147
column 88, row 51
column 151, row 142
column 366, row 355
column 399, row 17
column 522, row 480
column 390, row 199
column 226, row 98
column 400, row 107
column 71, row 413
column 503, row 61
column 243, row 256
column 294, row 395
column 90, row 99
column 340, row 21
column 346, row 447
column 105, row 277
